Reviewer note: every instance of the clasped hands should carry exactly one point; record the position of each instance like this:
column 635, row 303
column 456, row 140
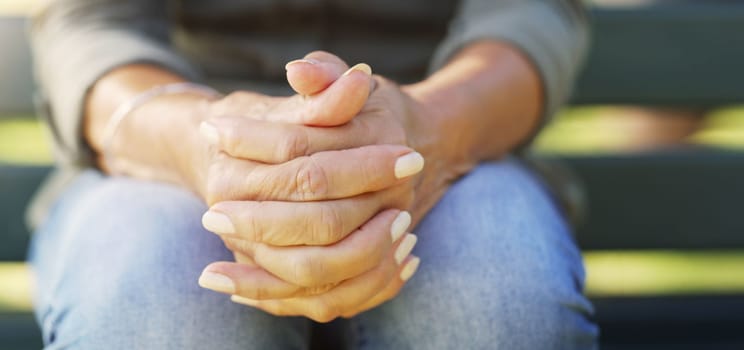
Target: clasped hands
column 312, row 193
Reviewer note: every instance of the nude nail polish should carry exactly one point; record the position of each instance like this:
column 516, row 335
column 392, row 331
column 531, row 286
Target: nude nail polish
column 217, row 223
column 400, row 225
column 407, row 272
column 405, row 247
column 362, row 67
column 302, row 60
column 217, row 282
column 408, row 165
column 244, row 301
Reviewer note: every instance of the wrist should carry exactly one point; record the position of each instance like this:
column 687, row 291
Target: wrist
column 160, row 141
column 189, row 153
column 486, row 101
column 440, row 132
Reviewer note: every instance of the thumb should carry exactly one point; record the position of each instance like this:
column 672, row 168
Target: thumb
column 335, row 94
column 315, row 72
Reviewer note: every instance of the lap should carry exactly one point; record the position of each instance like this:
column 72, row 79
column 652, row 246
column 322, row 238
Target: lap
column 499, row 269
column 117, row 266
column 498, row 264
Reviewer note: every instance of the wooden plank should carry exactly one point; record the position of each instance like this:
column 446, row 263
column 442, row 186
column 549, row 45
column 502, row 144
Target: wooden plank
column 18, row 331
column 668, row 200
column 671, row 53
column 663, row 322
column 17, row 186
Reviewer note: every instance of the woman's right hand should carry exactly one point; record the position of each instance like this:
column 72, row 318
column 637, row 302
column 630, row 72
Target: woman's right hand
column 341, row 233
column 308, row 194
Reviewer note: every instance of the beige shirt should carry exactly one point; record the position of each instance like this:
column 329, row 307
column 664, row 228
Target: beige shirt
column 233, row 44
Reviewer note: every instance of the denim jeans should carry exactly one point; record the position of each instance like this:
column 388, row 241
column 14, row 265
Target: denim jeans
column 117, row 262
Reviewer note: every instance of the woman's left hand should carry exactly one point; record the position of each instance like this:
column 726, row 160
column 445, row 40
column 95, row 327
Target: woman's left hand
column 390, row 116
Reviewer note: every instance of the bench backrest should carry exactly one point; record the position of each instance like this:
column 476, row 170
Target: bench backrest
column 684, row 54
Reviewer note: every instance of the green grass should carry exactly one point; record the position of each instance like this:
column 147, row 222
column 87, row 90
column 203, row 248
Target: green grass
column 724, row 128
column 23, row 141
column 664, row 272
column 584, row 131
column 15, row 287
column 574, row 131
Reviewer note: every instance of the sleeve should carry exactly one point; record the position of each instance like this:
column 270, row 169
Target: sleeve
column 75, row 42
column 553, row 34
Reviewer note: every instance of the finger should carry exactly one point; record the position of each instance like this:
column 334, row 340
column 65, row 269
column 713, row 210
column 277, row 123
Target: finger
column 315, row 72
column 359, row 252
column 338, row 301
column 342, row 100
column 321, row 176
column 408, row 269
column 241, row 258
column 302, row 271
column 288, row 223
column 334, row 106
column 252, row 282
column 335, row 174
column 274, row 143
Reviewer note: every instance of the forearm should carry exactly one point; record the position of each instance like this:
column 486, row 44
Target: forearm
column 483, row 104
column 158, row 139
column 76, row 42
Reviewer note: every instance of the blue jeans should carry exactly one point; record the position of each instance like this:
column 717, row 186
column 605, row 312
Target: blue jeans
column 117, row 262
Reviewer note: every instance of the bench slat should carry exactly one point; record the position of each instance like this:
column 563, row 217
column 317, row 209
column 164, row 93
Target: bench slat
column 669, row 200
column 674, row 53
column 17, row 186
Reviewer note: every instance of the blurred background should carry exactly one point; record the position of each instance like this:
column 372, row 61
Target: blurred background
column 639, row 108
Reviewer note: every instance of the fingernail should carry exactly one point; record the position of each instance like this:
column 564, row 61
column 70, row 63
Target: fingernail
column 400, row 224
column 302, row 60
column 407, row 272
column 362, row 67
column 408, row 165
column 217, row 222
column 210, row 133
column 241, row 300
column 216, row 281
column 405, row 247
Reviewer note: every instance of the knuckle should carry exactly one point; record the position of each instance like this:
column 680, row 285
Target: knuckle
column 235, row 96
column 311, row 181
column 318, row 289
column 256, row 232
column 329, row 229
column 225, row 105
column 230, row 135
column 402, row 196
column 323, row 312
column 216, row 183
column 293, row 146
column 240, row 246
column 307, row 270
column 407, row 199
column 259, row 292
column 232, row 244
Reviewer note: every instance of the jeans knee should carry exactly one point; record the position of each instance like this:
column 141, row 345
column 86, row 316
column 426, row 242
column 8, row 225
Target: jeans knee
column 498, row 260
column 126, row 259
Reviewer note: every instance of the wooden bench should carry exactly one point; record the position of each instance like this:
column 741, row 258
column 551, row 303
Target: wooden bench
column 681, row 54
column 691, row 54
